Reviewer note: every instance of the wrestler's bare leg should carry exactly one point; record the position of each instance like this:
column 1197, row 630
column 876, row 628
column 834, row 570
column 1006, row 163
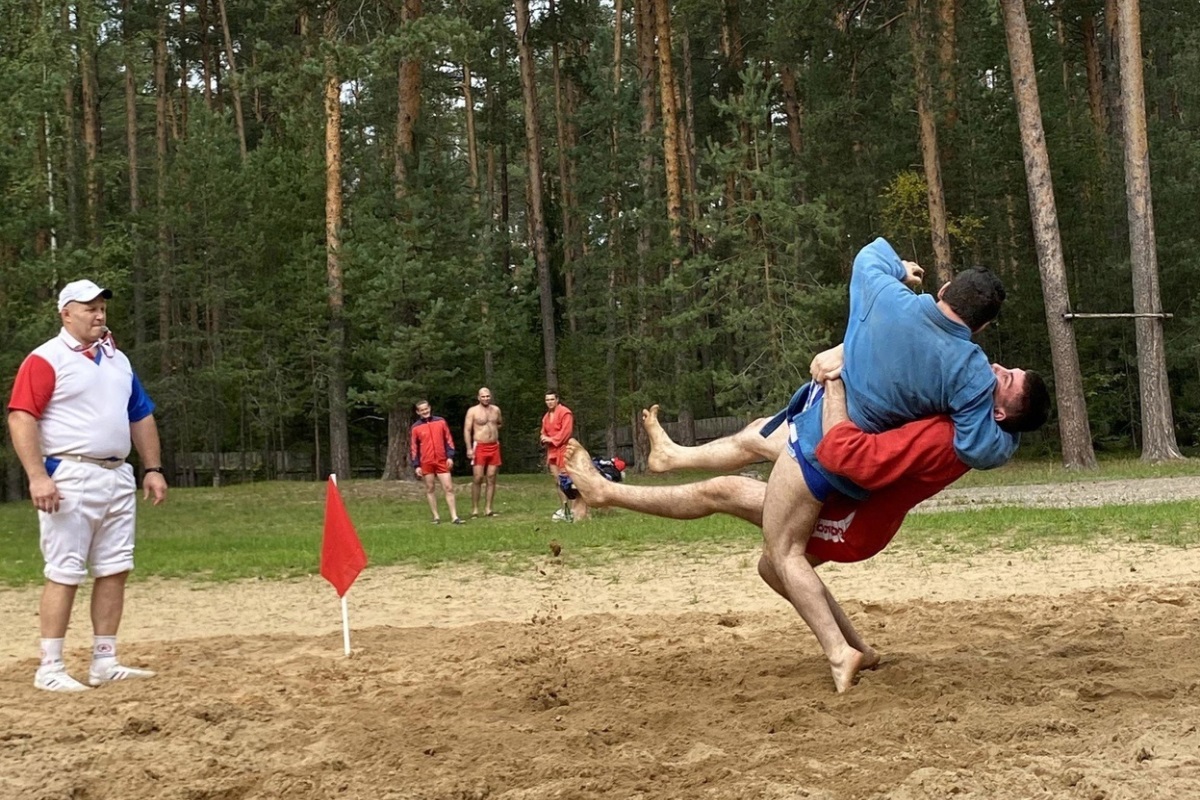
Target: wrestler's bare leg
column 478, row 472
column 429, row 480
column 870, row 656
column 741, row 497
column 789, row 514
column 492, row 471
column 735, row 451
column 735, row 495
column 448, row 490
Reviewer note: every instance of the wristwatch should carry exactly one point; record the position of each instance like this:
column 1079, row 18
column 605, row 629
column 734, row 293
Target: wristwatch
column 159, row 470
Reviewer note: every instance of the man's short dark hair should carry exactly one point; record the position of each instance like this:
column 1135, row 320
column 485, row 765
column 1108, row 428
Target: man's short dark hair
column 1031, row 409
column 975, row 294
column 552, row 392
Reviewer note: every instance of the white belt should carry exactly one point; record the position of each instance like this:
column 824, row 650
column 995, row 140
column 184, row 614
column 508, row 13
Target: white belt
column 107, row 463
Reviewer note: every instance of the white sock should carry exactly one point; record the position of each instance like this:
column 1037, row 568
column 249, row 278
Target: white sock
column 52, row 657
column 104, row 650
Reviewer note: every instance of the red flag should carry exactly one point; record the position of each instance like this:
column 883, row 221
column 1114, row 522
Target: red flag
column 342, row 556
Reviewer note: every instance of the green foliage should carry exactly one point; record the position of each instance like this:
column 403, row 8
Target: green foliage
column 232, row 331
column 905, row 215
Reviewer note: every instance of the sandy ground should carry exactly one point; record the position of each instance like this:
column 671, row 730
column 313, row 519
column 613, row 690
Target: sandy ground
column 1058, row 673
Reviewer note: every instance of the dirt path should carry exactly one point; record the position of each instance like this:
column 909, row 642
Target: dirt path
column 1055, row 673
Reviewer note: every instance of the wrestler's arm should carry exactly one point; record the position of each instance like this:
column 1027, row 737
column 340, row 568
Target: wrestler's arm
column 414, row 447
column 979, row 441
column 876, row 266
column 468, row 431
column 827, row 365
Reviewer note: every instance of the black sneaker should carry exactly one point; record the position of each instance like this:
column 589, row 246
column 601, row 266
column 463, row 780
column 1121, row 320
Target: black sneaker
column 459, row 521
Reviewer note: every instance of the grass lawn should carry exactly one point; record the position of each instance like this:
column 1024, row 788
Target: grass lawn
column 273, row 530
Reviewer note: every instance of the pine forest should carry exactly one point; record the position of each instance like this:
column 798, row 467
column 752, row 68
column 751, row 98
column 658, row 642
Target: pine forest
column 314, row 214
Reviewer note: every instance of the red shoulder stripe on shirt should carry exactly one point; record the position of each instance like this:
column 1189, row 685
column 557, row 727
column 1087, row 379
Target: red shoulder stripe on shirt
column 33, row 387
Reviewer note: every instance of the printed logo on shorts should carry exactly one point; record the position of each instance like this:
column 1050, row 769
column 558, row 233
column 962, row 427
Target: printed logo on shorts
column 833, row 530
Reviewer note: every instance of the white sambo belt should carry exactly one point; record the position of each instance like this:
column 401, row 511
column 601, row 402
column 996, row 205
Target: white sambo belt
column 107, row 463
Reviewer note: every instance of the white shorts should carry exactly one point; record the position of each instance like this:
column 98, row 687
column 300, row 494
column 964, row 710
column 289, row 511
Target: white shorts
column 94, row 525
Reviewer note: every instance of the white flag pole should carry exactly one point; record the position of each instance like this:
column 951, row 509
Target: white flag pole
column 345, row 605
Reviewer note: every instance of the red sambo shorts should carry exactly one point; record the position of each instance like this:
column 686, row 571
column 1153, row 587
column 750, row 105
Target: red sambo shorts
column 435, row 467
column 487, row 454
column 557, row 456
column 850, row 531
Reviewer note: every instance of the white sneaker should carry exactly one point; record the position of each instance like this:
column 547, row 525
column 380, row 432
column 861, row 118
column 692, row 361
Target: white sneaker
column 56, row 680
column 559, row 516
column 116, row 672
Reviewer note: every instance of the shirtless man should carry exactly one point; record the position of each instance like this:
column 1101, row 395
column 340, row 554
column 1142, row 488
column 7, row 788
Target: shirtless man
column 481, row 431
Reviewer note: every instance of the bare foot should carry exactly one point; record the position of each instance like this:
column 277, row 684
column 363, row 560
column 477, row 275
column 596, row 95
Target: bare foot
column 846, row 668
column 870, row 659
column 591, row 485
column 662, row 449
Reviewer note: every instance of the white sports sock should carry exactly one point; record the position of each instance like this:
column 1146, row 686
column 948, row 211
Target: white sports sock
column 104, row 649
column 52, row 650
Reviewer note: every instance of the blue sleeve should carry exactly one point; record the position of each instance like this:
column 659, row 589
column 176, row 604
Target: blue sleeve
column 876, row 266
column 979, row 442
column 140, row 404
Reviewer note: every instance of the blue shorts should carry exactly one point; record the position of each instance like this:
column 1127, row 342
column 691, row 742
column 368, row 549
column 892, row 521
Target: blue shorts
column 817, row 483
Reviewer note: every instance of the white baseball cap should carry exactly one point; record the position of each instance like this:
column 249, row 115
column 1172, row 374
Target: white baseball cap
column 81, row 292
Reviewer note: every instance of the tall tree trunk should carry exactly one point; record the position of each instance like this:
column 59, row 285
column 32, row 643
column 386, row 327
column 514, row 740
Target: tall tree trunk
column 339, row 430
column 70, row 171
column 685, row 101
column 408, row 106
column 947, row 60
column 643, row 13
column 408, row 110
column 86, row 30
column 570, row 251
column 44, row 238
column 614, row 216
column 183, row 70
column 1072, row 407
column 792, row 109
column 670, row 118
column 537, row 219
column 1095, row 85
column 1158, row 426
column 160, row 179
column 208, row 66
column 472, row 141
column 234, row 79
column 137, row 267
column 478, row 199
column 929, row 147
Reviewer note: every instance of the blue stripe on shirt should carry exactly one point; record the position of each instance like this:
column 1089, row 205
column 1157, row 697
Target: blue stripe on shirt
column 140, row 404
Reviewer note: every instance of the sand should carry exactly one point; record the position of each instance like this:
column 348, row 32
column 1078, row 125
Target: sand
column 1051, row 673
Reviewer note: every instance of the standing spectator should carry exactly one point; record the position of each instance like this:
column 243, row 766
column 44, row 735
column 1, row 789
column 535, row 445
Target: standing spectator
column 558, row 425
column 431, row 451
column 76, row 408
column 481, row 432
